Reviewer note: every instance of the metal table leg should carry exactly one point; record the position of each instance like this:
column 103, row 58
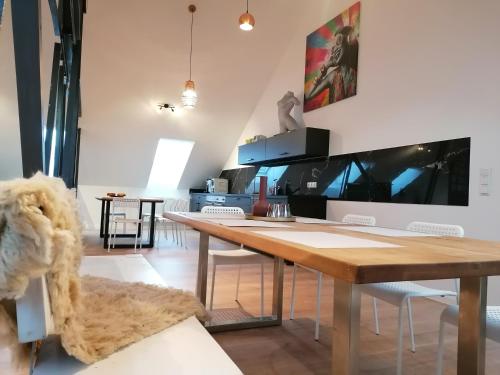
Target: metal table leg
column 279, row 266
column 101, row 225
column 265, row 321
column 346, row 316
column 472, row 326
column 201, row 282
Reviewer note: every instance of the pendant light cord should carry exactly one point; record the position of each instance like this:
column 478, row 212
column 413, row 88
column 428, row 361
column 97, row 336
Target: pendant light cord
column 191, row 50
column 247, row 6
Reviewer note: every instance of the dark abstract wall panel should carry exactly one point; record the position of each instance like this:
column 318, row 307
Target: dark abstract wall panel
column 428, row 173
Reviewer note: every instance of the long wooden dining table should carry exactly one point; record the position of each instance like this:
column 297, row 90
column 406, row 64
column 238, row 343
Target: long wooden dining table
column 379, row 259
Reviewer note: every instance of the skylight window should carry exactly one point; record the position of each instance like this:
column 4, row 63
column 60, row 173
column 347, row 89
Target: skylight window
column 170, row 161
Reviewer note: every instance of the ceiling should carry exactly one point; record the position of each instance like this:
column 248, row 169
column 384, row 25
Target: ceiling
column 135, row 55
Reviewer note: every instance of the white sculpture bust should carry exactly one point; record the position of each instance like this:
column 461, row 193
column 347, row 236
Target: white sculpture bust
column 285, row 105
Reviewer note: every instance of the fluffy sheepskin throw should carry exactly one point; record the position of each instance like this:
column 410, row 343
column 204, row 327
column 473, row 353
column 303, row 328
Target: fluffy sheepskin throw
column 40, row 234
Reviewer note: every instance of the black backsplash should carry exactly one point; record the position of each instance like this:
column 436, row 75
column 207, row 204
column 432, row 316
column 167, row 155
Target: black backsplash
column 427, row 173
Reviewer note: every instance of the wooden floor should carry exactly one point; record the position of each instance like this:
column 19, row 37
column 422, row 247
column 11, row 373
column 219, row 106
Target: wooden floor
column 291, row 349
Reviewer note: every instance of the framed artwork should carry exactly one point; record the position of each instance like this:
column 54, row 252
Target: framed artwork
column 1, row 10
column 331, row 71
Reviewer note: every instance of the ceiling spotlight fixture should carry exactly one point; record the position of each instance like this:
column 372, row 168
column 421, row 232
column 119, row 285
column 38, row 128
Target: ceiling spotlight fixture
column 166, row 106
column 247, row 21
column 189, row 97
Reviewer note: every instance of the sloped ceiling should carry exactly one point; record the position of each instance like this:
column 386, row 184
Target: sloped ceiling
column 135, row 55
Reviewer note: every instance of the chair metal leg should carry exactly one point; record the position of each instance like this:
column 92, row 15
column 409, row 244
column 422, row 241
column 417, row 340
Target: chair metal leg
column 181, row 228
column 292, row 302
column 375, row 316
column 410, row 325
column 212, row 288
column 318, row 306
column 262, row 290
column 399, row 360
column 238, row 283
column 157, row 235
column 185, row 237
column 140, row 238
column 114, row 234
column 135, row 242
column 110, row 237
column 439, row 365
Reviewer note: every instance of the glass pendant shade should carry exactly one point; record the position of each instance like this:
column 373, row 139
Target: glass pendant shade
column 247, row 21
column 189, row 97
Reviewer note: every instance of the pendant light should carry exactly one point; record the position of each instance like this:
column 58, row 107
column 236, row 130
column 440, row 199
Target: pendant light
column 247, row 21
column 189, row 97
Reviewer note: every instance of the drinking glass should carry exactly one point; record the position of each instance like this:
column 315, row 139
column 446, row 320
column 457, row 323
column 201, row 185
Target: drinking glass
column 286, row 210
column 269, row 210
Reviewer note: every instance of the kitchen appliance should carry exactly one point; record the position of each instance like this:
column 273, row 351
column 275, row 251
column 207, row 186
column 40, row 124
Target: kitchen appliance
column 217, row 185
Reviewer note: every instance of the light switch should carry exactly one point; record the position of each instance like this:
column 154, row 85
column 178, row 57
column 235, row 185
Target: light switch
column 312, row 185
column 485, row 181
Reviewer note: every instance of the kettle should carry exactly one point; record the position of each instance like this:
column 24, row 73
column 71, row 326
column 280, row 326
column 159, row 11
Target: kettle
column 210, row 185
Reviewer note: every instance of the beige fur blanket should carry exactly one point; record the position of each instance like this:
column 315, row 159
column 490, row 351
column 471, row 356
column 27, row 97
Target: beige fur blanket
column 40, row 234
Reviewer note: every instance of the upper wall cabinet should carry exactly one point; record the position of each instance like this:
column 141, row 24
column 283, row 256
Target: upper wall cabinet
column 252, row 153
column 295, row 145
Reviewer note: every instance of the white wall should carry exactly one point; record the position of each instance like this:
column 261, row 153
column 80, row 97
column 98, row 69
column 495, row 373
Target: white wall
column 428, row 71
column 10, row 143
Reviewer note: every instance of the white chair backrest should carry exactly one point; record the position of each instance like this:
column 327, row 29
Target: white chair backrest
column 359, row 219
column 183, row 205
column 222, row 210
column 169, row 204
column 180, row 205
column 437, row 229
column 128, row 204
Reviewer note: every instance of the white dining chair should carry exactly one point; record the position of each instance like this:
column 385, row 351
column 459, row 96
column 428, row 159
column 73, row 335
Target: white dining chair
column 162, row 224
column 450, row 315
column 136, row 220
column 400, row 293
column 347, row 219
column 237, row 257
column 181, row 205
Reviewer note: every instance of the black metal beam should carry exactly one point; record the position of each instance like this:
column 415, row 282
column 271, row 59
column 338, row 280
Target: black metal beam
column 51, row 112
column 25, row 27
column 55, row 17
column 59, row 122
column 71, row 125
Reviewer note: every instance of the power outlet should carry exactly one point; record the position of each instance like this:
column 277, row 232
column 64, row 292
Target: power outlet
column 312, row 185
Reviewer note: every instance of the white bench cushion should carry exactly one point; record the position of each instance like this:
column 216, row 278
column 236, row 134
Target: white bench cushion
column 186, row 348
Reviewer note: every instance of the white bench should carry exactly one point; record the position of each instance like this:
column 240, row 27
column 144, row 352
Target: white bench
column 185, row 348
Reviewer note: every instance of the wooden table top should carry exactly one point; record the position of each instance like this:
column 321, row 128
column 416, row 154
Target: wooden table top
column 147, row 200
column 418, row 258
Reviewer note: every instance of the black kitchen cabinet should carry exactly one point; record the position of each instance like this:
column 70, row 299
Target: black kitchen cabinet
column 244, row 201
column 305, row 143
column 252, row 153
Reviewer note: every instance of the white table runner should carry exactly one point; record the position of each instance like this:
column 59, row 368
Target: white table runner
column 388, row 232
column 248, row 223
column 325, row 239
column 311, row 220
